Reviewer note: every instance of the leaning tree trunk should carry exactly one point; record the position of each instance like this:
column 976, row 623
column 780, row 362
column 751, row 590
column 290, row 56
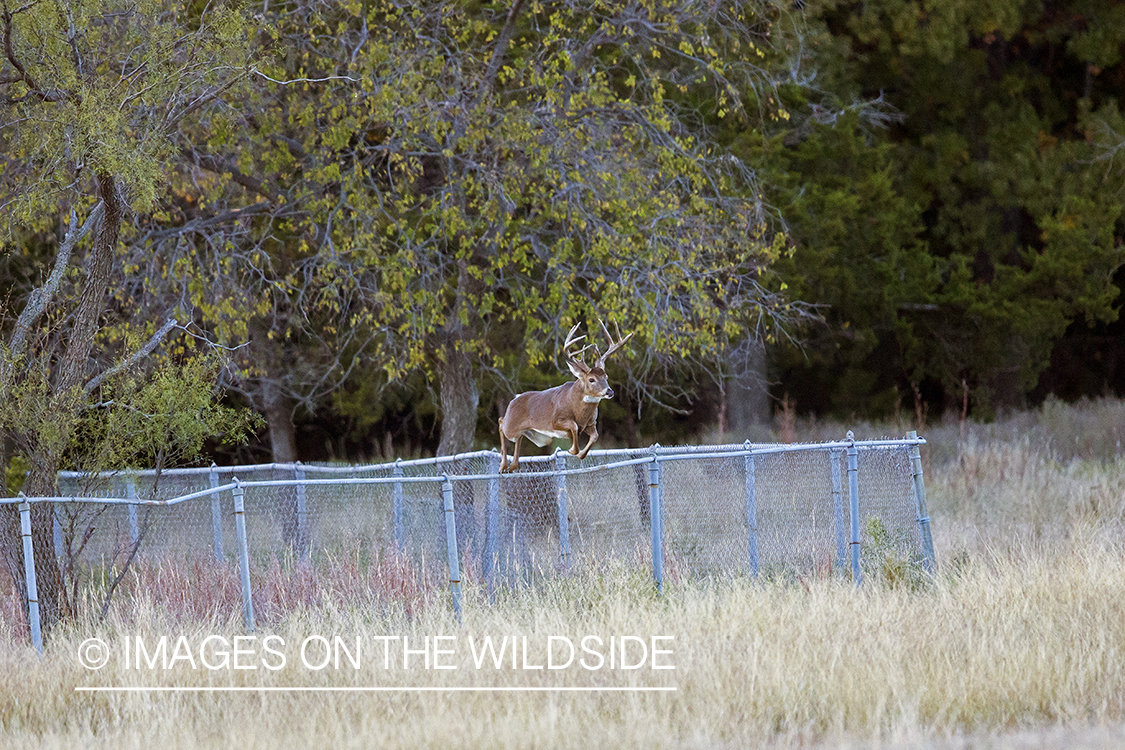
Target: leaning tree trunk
column 68, row 398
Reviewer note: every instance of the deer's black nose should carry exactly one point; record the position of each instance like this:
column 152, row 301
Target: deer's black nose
column 608, row 392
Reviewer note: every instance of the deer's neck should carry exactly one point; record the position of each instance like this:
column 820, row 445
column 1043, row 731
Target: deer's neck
column 582, row 405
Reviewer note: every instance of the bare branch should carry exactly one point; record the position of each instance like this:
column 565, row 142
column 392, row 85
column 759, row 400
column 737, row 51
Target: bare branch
column 218, row 166
column 137, row 356
column 199, row 224
column 40, row 298
column 305, row 80
column 498, row 53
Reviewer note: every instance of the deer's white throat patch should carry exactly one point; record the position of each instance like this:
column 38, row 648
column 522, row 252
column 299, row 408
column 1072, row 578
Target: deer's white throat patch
column 591, row 399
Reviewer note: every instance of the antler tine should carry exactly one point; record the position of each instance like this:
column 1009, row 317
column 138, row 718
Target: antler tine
column 605, row 331
column 571, row 341
column 613, row 345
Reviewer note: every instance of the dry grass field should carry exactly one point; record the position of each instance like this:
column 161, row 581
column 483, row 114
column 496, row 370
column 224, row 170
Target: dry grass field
column 1019, row 641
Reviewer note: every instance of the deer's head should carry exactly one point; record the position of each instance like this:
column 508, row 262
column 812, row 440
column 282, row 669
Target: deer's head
column 592, row 380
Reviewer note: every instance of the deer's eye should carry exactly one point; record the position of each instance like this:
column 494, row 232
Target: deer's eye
column 591, row 380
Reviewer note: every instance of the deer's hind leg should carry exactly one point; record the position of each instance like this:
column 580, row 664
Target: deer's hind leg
column 516, row 453
column 503, row 448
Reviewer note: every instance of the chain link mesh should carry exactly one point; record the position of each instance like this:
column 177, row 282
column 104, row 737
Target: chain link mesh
column 318, row 530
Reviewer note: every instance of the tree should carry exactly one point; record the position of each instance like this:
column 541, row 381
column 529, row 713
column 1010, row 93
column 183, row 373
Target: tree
column 500, row 177
column 91, row 92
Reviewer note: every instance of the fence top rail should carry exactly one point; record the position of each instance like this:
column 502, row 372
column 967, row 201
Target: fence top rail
column 200, row 470
column 655, row 453
column 674, row 453
column 120, row 500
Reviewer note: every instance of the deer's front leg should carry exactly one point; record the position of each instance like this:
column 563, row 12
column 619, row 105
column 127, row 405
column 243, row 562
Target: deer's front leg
column 571, row 429
column 592, row 431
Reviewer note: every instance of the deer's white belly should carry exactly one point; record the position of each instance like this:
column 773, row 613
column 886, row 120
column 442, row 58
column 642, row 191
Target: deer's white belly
column 542, row 437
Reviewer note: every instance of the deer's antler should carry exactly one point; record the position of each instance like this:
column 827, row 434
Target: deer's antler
column 613, row 345
column 574, row 357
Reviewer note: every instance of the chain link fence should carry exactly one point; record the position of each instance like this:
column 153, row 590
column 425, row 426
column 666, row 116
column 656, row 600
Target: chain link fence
column 278, row 536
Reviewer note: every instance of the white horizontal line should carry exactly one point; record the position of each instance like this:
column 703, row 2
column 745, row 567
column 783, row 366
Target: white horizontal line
column 365, row 689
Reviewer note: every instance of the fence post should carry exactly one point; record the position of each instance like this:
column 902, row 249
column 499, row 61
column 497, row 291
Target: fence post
column 302, row 540
column 29, row 575
column 243, row 555
column 834, row 461
column 56, row 528
column 656, row 516
column 564, row 519
column 216, row 514
column 131, row 494
column 929, row 562
column 398, row 505
column 451, row 545
column 492, row 522
column 853, row 506
column 751, row 511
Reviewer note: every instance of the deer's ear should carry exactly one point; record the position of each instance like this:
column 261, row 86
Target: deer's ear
column 577, row 368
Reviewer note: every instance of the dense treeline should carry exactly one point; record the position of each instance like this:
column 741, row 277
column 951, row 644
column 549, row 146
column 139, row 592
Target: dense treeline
column 974, row 241
column 372, row 223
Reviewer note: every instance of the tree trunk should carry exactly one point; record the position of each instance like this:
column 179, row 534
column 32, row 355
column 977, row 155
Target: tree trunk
column 68, row 398
column 278, row 410
column 278, row 407
column 275, row 404
column 91, row 305
column 632, row 438
column 460, row 397
column 460, row 400
column 748, row 403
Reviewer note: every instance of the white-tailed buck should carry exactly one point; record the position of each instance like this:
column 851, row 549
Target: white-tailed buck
column 563, row 411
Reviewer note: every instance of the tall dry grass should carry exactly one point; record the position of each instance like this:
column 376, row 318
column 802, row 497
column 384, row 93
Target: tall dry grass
column 1003, row 642
column 1019, row 641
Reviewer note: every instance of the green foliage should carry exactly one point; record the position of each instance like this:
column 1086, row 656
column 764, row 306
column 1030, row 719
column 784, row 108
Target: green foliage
column 15, row 474
column 425, row 184
column 857, row 251
column 159, row 416
column 158, row 419
column 561, row 198
column 978, row 226
column 369, row 191
column 102, row 86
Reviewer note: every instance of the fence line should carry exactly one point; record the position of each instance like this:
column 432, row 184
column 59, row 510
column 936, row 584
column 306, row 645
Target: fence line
column 682, row 510
column 684, row 452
